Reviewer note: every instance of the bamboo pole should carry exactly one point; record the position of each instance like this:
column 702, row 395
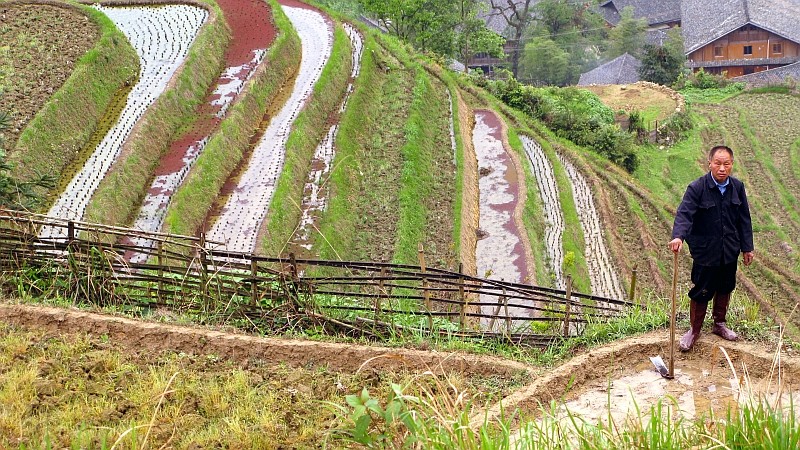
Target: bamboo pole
column 461, row 298
column 254, row 282
column 567, row 306
column 425, row 293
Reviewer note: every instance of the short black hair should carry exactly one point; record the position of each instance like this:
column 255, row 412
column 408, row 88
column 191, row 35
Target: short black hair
column 717, row 148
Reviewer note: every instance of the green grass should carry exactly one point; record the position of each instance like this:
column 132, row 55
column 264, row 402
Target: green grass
column 308, row 130
column 416, row 179
column 67, row 121
column 363, row 174
column 711, row 95
column 225, row 149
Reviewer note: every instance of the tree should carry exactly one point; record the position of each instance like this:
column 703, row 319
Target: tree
column 664, row 64
column 516, row 14
column 629, row 35
column 576, row 29
column 14, row 193
column 447, row 27
column 473, row 36
column 545, row 62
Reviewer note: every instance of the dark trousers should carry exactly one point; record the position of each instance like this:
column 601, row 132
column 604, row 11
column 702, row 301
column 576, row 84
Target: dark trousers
column 709, row 280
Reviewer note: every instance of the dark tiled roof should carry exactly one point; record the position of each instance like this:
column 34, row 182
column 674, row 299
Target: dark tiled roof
column 655, row 11
column 621, row 70
column 704, row 22
column 772, row 76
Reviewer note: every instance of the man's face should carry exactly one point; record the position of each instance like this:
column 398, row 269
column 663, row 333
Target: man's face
column 720, row 165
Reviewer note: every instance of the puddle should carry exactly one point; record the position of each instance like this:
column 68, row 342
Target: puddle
column 241, row 217
column 161, row 36
column 500, row 253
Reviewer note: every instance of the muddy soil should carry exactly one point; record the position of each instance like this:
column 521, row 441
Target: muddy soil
column 617, row 378
column 47, row 41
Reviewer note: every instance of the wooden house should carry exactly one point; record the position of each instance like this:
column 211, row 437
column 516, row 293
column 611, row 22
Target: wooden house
column 740, row 37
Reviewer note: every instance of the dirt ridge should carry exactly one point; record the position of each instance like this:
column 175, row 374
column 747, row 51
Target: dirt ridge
column 243, row 348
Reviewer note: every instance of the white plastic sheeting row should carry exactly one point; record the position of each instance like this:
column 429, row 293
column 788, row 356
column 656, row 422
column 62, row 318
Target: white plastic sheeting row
column 553, row 216
column 603, row 277
column 241, row 217
column 161, row 36
column 314, row 200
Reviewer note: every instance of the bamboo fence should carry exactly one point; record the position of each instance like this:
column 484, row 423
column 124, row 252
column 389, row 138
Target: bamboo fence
column 91, row 264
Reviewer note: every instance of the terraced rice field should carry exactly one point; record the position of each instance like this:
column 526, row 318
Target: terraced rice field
column 161, row 36
column 240, row 220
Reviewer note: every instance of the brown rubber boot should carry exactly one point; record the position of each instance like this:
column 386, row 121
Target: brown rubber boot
column 718, row 313
column 697, row 313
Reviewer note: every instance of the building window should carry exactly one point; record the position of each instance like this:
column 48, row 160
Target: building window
column 748, row 49
column 717, row 50
column 777, row 48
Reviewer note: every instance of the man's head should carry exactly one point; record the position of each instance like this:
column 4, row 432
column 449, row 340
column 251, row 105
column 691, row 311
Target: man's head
column 720, row 162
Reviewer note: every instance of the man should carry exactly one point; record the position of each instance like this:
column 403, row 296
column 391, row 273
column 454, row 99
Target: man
column 714, row 219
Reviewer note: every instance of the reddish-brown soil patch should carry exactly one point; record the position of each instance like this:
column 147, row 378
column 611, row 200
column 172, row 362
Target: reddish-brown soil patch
column 252, row 29
column 39, row 46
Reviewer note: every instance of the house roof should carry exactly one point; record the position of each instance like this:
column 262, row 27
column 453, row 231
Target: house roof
column 621, row 70
column 655, row 11
column 772, row 76
column 705, row 22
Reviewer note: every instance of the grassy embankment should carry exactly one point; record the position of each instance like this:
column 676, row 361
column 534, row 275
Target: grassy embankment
column 393, row 184
column 120, row 193
column 226, row 148
column 363, row 183
column 307, row 132
column 62, row 129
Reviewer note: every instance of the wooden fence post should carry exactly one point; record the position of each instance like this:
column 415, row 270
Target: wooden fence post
column 293, row 286
column 160, row 264
column 568, row 306
column 203, row 269
column 70, row 231
column 381, row 293
column 508, row 317
column 462, row 301
column 425, row 293
column 254, row 282
column 632, row 292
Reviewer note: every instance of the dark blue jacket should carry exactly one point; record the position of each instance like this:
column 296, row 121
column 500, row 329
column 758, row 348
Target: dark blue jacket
column 716, row 227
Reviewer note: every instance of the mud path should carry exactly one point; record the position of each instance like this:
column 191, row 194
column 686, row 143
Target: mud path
column 315, row 194
column 161, row 36
column 501, row 252
column 554, row 219
column 602, row 274
column 240, row 219
column 243, row 348
column 252, row 32
column 618, row 378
